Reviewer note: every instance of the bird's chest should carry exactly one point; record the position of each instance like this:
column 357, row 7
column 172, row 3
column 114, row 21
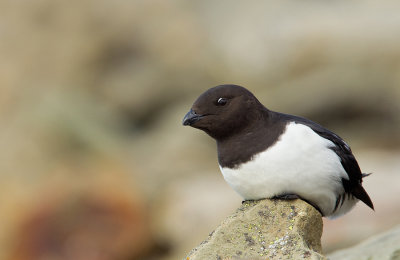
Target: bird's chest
column 298, row 162
column 241, row 148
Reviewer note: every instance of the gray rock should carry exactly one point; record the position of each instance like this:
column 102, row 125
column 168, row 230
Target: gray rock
column 265, row 229
column 384, row 246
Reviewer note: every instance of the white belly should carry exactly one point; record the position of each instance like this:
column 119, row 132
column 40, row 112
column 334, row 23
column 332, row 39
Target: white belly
column 300, row 162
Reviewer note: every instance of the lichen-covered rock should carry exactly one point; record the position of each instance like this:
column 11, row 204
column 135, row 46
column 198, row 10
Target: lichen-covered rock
column 385, row 246
column 265, row 229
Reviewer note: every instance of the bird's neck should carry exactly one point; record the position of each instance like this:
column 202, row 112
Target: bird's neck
column 241, row 146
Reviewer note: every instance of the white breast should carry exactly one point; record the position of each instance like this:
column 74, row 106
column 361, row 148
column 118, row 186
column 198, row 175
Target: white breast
column 300, row 162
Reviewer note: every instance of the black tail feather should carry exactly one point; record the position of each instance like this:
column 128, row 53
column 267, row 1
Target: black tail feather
column 363, row 175
column 359, row 192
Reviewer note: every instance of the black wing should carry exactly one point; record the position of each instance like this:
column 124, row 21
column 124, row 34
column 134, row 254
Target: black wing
column 353, row 184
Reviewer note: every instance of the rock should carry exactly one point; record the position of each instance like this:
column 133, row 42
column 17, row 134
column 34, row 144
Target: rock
column 382, row 246
column 264, row 229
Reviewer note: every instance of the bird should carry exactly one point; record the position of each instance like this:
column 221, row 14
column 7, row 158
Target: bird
column 264, row 154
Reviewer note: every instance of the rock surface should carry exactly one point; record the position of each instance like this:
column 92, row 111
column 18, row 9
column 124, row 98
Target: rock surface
column 265, row 229
column 384, row 246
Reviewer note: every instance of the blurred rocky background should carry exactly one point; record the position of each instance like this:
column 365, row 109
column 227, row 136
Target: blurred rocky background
column 95, row 163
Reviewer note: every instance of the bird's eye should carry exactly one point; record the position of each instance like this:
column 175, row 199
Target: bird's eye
column 222, row 101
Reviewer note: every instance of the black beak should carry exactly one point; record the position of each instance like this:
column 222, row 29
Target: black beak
column 191, row 117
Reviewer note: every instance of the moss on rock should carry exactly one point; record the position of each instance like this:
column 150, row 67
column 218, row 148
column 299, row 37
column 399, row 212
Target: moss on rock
column 265, row 229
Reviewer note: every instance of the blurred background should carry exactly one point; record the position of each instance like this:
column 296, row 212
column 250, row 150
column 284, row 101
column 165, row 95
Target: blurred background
column 95, row 163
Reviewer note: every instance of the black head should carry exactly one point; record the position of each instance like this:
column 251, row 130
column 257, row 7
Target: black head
column 224, row 110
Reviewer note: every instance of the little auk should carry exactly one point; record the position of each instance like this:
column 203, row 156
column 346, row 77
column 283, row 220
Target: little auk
column 265, row 154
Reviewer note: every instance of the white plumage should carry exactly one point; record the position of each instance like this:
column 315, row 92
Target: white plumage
column 300, row 162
